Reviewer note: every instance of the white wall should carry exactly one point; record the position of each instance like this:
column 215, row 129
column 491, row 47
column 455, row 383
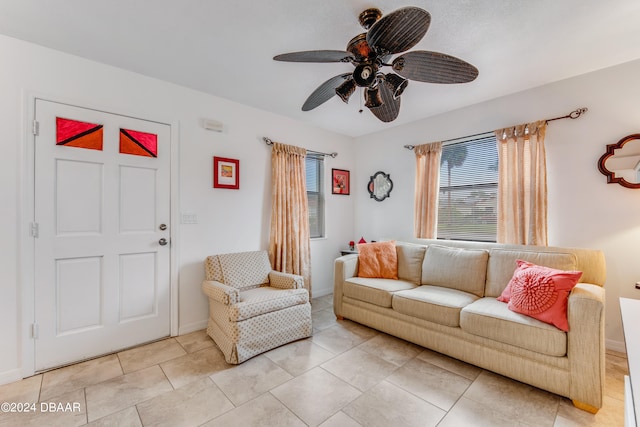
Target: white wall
column 583, row 210
column 228, row 220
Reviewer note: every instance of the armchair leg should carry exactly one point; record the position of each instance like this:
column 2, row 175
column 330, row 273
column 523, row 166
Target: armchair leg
column 339, row 317
column 585, row 406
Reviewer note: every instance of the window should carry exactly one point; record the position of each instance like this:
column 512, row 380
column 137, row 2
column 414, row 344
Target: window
column 467, row 205
column 315, row 194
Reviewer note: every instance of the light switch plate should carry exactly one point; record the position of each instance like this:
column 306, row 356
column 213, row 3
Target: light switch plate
column 188, row 218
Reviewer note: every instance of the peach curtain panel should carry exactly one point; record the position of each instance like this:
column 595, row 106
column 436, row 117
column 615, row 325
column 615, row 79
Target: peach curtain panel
column 425, row 217
column 289, row 249
column 522, row 184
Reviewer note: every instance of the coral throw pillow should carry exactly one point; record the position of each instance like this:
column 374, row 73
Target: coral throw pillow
column 540, row 292
column 378, row 260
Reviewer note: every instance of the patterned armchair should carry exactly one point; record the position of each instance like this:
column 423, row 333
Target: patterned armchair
column 253, row 308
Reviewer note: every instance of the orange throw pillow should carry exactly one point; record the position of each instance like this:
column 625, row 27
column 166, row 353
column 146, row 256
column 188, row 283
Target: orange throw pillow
column 378, row 260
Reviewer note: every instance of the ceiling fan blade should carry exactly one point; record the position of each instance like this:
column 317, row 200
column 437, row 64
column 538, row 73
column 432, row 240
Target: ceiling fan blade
column 324, row 92
column 399, row 31
column 315, row 56
column 390, row 107
column 434, row 67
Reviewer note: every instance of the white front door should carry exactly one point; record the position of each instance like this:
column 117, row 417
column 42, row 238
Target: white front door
column 102, row 210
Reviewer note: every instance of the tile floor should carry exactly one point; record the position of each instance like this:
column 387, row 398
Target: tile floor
column 345, row 375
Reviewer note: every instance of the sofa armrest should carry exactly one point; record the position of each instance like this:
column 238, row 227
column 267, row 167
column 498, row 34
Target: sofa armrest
column 280, row 280
column 344, row 268
column 586, row 344
column 220, row 292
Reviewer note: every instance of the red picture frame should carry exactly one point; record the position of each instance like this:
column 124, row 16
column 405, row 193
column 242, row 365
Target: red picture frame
column 226, row 173
column 340, row 182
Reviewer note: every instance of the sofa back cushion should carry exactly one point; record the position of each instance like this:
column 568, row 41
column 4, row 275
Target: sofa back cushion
column 240, row 270
column 502, row 264
column 410, row 259
column 455, row 268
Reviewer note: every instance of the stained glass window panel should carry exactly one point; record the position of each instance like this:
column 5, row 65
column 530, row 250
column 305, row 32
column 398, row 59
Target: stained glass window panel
column 74, row 133
column 138, row 143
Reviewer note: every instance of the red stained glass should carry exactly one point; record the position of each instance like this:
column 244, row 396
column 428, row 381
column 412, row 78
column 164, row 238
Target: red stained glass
column 74, row 133
column 138, row 143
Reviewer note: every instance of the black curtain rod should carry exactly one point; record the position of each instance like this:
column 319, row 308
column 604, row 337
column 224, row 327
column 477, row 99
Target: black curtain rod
column 333, row 155
column 572, row 115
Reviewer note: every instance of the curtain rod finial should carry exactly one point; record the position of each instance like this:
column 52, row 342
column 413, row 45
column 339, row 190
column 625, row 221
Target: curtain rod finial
column 577, row 113
column 409, row 147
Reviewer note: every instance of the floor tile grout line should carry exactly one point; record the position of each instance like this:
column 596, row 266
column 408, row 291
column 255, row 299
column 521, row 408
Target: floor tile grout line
column 138, row 413
column 415, row 395
column 351, row 385
column 283, row 403
column 86, row 406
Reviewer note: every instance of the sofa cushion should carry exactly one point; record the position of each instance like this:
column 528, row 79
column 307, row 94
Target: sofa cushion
column 410, row 258
column 433, row 303
column 378, row 260
column 258, row 301
column 490, row 318
column 374, row 291
column 455, row 268
column 502, row 264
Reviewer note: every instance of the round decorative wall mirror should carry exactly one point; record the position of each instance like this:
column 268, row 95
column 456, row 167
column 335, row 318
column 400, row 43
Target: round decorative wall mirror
column 621, row 162
column 380, row 185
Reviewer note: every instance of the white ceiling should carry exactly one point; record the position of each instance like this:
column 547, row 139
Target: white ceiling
column 225, row 48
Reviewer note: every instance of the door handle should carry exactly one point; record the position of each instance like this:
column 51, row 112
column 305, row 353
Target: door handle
column 162, row 241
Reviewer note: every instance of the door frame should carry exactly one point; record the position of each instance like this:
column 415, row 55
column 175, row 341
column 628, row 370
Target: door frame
column 26, row 215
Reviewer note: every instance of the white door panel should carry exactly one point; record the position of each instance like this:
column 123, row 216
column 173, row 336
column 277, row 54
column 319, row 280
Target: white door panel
column 102, row 280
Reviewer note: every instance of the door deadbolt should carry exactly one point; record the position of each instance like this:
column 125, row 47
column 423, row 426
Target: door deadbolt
column 163, row 227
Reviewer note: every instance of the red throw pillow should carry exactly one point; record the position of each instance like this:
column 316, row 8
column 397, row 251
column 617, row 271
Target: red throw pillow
column 540, row 292
column 378, row 260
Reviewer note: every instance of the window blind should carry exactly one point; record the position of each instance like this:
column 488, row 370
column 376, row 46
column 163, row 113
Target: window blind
column 467, row 205
column 314, row 167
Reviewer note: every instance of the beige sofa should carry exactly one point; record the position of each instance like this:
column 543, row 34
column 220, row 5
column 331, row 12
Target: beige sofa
column 445, row 300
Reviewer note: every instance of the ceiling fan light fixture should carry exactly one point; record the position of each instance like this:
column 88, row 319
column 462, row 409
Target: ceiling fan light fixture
column 365, row 74
column 396, row 83
column 372, row 97
column 346, row 89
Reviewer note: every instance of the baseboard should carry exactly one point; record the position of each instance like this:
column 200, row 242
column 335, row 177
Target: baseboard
column 192, row 327
column 317, row 293
column 615, row 346
column 13, row 375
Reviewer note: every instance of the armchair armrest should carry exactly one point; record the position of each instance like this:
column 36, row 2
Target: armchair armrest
column 280, row 280
column 220, row 292
column 586, row 344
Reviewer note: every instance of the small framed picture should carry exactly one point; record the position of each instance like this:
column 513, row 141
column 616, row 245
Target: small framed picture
column 226, row 173
column 340, row 183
